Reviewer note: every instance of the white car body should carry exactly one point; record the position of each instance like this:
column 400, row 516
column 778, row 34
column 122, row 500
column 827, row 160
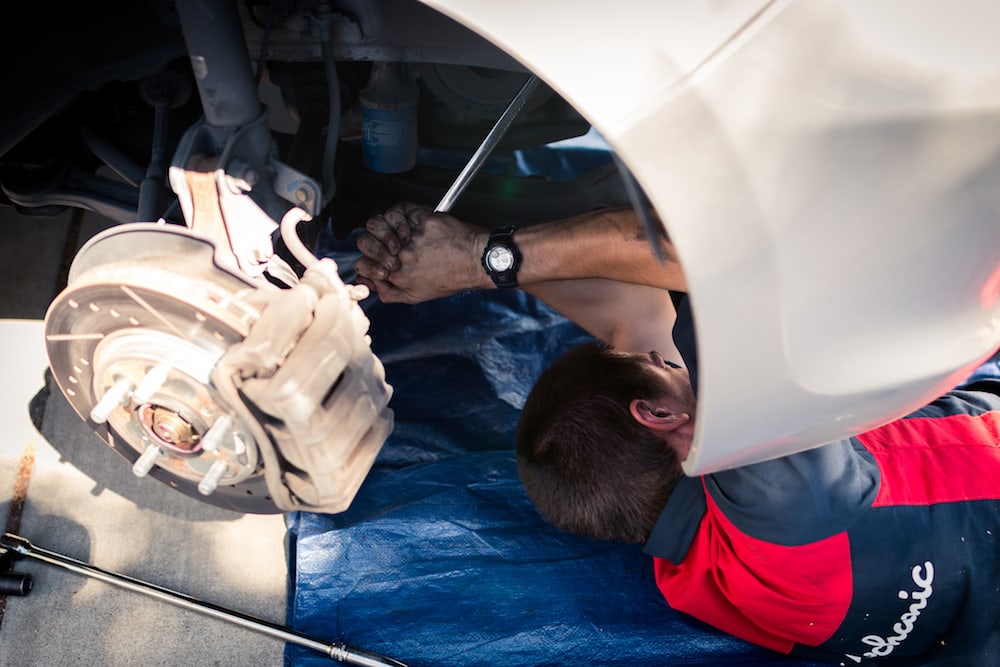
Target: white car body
column 830, row 175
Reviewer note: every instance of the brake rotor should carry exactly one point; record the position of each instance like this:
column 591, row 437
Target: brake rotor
column 132, row 342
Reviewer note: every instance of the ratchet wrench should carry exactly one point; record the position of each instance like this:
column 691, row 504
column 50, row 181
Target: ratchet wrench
column 17, row 545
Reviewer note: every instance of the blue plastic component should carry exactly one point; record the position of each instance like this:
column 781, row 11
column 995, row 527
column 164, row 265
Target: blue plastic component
column 389, row 139
column 389, row 119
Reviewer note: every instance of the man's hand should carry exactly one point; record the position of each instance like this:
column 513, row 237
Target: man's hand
column 411, row 255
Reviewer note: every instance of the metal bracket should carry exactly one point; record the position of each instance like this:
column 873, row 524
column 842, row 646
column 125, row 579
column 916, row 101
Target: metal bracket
column 249, row 190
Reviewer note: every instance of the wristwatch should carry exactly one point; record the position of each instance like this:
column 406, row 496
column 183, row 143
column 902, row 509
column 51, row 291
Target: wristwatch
column 501, row 258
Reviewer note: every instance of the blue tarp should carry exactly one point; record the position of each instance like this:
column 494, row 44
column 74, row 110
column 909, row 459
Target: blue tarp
column 441, row 559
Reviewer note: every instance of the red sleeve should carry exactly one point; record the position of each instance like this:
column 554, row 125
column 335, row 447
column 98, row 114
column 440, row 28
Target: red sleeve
column 771, row 595
column 937, row 460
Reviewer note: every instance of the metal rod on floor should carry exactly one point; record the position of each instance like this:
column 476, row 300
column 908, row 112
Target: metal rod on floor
column 337, row 651
column 489, row 143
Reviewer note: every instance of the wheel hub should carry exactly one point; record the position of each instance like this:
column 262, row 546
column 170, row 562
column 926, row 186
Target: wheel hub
column 132, row 343
column 234, row 392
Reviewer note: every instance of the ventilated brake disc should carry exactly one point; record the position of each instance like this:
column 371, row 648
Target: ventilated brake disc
column 132, row 342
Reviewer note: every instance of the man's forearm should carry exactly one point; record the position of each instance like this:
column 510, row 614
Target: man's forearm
column 609, row 244
column 411, row 255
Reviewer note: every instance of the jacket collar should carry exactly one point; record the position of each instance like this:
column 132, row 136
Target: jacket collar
column 677, row 526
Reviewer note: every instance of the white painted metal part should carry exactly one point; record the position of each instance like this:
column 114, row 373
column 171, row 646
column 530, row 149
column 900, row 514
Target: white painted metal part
column 829, row 172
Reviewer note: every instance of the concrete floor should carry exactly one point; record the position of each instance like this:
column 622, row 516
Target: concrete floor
column 83, row 501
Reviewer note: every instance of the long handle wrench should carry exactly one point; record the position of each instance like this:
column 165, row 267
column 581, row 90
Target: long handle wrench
column 337, row 651
column 478, row 158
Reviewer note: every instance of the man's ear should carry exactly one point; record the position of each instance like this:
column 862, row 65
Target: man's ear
column 656, row 417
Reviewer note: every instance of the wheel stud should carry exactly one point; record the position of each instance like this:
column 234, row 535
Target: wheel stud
column 213, row 437
column 150, row 384
column 113, row 398
column 146, row 461
column 211, row 480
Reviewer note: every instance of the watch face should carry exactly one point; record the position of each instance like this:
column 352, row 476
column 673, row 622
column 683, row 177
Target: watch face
column 500, row 258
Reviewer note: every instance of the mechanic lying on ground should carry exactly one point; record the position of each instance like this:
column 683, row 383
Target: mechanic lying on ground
column 880, row 547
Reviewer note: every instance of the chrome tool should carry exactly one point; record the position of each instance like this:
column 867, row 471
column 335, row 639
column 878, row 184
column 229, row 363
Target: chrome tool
column 16, row 546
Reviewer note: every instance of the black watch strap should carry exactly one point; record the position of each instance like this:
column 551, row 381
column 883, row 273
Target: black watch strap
column 501, row 257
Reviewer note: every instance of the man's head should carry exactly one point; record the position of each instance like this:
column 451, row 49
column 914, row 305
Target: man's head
column 600, row 440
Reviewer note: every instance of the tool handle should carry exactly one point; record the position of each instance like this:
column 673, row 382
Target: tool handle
column 478, row 158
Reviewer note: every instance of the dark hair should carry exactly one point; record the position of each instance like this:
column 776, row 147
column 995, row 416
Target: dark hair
column 588, row 466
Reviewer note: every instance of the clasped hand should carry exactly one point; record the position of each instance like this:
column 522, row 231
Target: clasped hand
column 411, row 254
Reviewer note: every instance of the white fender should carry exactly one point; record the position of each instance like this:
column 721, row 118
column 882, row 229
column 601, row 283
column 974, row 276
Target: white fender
column 829, row 172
